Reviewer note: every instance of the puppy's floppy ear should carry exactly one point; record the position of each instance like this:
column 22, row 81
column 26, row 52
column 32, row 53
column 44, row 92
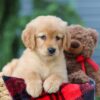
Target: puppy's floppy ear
column 28, row 37
column 67, row 41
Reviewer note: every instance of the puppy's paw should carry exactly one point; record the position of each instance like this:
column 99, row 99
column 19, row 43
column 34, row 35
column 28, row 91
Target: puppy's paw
column 34, row 88
column 52, row 85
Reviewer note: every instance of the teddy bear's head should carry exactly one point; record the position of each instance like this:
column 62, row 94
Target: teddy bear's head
column 83, row 41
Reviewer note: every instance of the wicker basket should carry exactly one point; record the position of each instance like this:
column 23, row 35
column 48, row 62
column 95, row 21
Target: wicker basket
column 4, row 95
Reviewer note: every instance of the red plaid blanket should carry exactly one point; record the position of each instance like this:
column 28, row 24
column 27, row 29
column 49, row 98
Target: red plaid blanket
column 16, row 88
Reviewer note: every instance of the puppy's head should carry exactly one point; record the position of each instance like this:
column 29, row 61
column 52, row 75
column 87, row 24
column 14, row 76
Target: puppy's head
column 46, row 35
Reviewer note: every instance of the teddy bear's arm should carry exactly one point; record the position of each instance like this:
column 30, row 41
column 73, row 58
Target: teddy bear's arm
column 78, row 77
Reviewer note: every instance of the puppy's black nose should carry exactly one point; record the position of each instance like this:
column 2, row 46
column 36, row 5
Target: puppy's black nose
column 51, row 50
column 75, row 45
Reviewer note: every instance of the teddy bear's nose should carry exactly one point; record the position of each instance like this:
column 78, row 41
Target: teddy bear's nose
column 75, row 44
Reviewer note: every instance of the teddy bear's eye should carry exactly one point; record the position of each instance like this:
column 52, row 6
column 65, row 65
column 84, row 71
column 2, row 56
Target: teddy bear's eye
column 58, row 38
column 79, row 38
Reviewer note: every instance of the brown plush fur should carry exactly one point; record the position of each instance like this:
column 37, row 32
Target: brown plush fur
column 83, row 41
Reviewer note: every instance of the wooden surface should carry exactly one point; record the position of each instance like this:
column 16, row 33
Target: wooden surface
column 4, row 95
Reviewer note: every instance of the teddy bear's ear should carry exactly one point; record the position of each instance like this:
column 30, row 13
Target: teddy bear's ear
column 94, row 34
column 28, row 37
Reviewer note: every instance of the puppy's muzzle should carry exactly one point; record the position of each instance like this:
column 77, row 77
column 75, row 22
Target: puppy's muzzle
column 51, row 51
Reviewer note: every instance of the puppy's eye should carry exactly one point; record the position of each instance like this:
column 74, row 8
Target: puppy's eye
column 43, row 37
column 58, row 38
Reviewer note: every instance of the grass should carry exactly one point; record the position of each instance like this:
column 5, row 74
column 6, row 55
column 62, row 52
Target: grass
column 97, row 98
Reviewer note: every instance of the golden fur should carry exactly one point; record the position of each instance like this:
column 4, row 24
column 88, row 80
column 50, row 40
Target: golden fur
column 36, row 66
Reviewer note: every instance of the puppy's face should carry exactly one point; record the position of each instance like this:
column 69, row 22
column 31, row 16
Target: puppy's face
column 49, row 43
column 47, row 39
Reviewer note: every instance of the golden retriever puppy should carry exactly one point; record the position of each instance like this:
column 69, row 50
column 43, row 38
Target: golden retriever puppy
column 42, row 64
column 9, row 68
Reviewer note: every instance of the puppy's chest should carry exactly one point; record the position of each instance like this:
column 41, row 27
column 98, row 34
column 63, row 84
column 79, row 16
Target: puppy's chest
column 45, row 71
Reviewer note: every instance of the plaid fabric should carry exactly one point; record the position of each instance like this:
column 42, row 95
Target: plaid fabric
column 16, row 88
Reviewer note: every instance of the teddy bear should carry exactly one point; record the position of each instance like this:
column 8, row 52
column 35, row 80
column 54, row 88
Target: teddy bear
column 79, row 63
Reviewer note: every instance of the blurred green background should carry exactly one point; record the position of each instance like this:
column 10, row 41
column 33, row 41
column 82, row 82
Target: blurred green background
column 15, row 14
